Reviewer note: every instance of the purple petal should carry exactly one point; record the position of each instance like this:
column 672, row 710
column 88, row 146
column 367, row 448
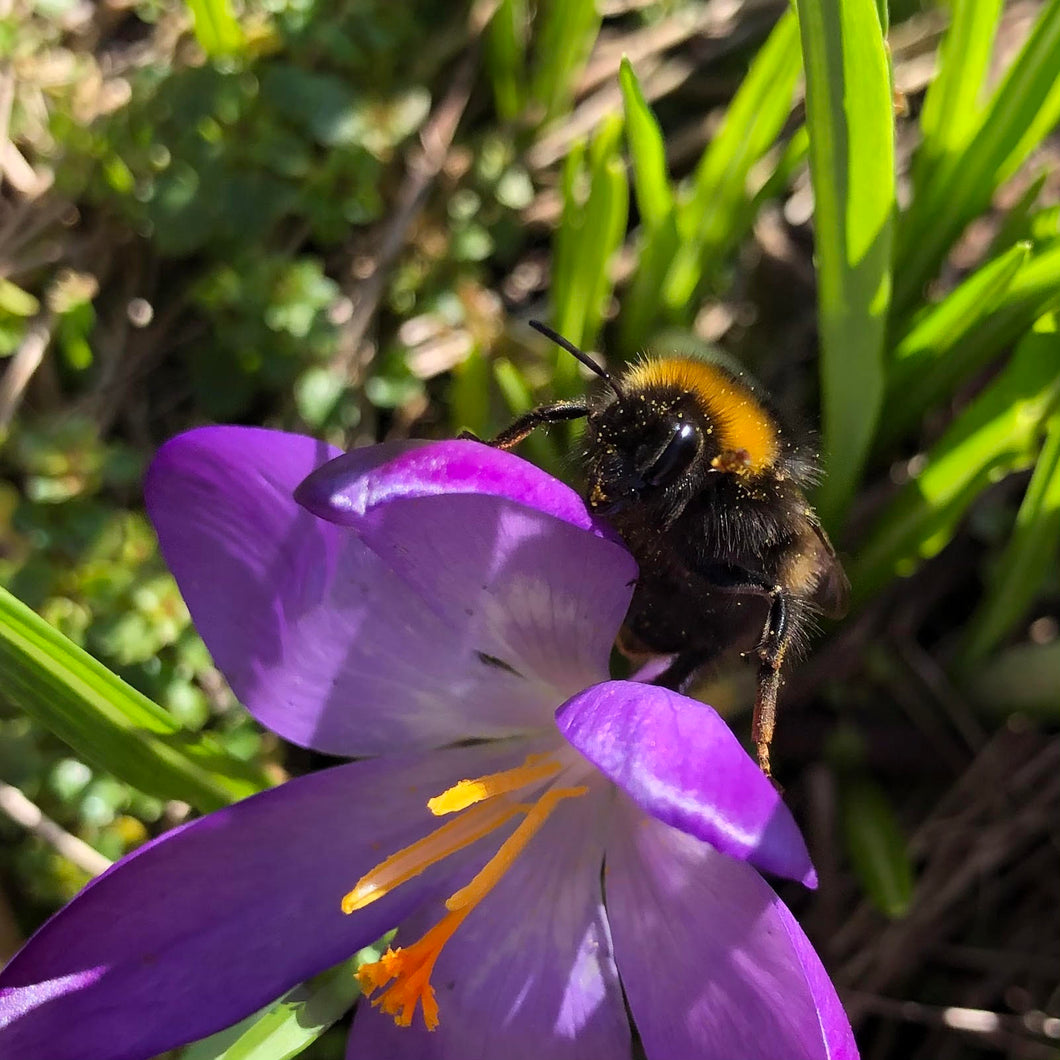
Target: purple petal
column 529, row 974
column 733, row 975
column 680, row 762
column 204, row 925
column 462, row 616
column 352, row 485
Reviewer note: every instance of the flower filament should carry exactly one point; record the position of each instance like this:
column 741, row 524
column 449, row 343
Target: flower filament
column 484, row 804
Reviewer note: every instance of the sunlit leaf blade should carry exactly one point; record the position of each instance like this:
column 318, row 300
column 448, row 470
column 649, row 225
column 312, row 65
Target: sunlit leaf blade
column 519, row 398
column 849, row 114
column 565, row 31
column 16, row 301
column 709, row 221
column 292, row 1024
column 469, row 392
column 930, row 359
column 647, row 152
column 995, row 435
column 1024, row 108
column 505, row 39
column 591, row 231
column 1030, row 555
column 605, row 226
column 878, row 851
column 1019, row 220
column 640, row 303
column 791, row 159
column 107, row 721
column 216, row 28
column 951, row 104
column 1034, row 290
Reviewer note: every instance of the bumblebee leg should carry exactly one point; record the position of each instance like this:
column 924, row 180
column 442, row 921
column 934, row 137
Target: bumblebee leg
column 771, row 651
column 513, row 435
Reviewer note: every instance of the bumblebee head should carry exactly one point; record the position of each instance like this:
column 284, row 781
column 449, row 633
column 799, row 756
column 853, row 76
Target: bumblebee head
column 647, row 447
column 668, row 428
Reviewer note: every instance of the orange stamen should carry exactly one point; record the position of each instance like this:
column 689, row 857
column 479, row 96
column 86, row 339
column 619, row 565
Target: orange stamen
column 467, row 792
column 410, row 967
column 413, row 859
column 510, row 849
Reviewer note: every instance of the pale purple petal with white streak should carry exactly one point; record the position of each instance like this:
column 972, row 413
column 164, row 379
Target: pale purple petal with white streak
column 713, row 964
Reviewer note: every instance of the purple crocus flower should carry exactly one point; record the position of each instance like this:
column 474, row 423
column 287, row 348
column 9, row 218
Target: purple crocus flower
column 552, row 845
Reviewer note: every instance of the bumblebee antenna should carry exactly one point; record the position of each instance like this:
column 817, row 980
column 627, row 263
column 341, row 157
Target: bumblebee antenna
column 573, row 350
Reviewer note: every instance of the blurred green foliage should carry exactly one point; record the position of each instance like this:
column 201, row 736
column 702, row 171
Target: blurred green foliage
column 208, row 220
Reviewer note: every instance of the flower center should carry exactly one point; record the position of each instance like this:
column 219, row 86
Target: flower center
column 484, row 804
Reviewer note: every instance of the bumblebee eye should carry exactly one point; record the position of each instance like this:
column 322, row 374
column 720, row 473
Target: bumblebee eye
column 675, row 457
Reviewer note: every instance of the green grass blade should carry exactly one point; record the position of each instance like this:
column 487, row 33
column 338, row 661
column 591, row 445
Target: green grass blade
column 1034, row 290
column 647, row 152
column 996, row 434
column 1020, row 219
column 878, row 851
column 566, row 31
column 1024, row 107
column 591, row 232
column 565, row 241
column 107, row 721
column 657, row 239
column 849, row 114
column 1029, row 557
column 930, row 360
column 640, row 303
column 520, row 398
column 216, row 29
column 292, row 1024
column 506, row 57
column 711, row 219
column 791, row 159
column 469, row 395
column 951, row 109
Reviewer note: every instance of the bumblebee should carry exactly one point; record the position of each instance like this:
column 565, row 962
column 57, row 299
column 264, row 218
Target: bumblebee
column 688, row 464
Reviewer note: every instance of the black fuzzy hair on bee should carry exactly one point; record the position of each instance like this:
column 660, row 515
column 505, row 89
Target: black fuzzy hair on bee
column 691, row 467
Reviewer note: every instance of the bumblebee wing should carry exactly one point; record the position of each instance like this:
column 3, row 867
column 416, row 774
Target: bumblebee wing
column 831, row 594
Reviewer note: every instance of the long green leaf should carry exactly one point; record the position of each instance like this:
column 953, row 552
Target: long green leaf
column 849, row 115
column 216, row 29
column 709, row 220
column 930, row 360
column 107, row 721
column 647, row 152
column 878, row 851
column 506, row 56
column 292, row 1024
column 566, row 30
column 1019, row 220
column 1023, row 109
column 951, row 109
column 1034, row 290
column 519, row 398
column 590, row 234
column 996, row 434
column 1029, row 557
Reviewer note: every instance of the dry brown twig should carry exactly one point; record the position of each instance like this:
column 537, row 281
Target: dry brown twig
column 28, row 814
